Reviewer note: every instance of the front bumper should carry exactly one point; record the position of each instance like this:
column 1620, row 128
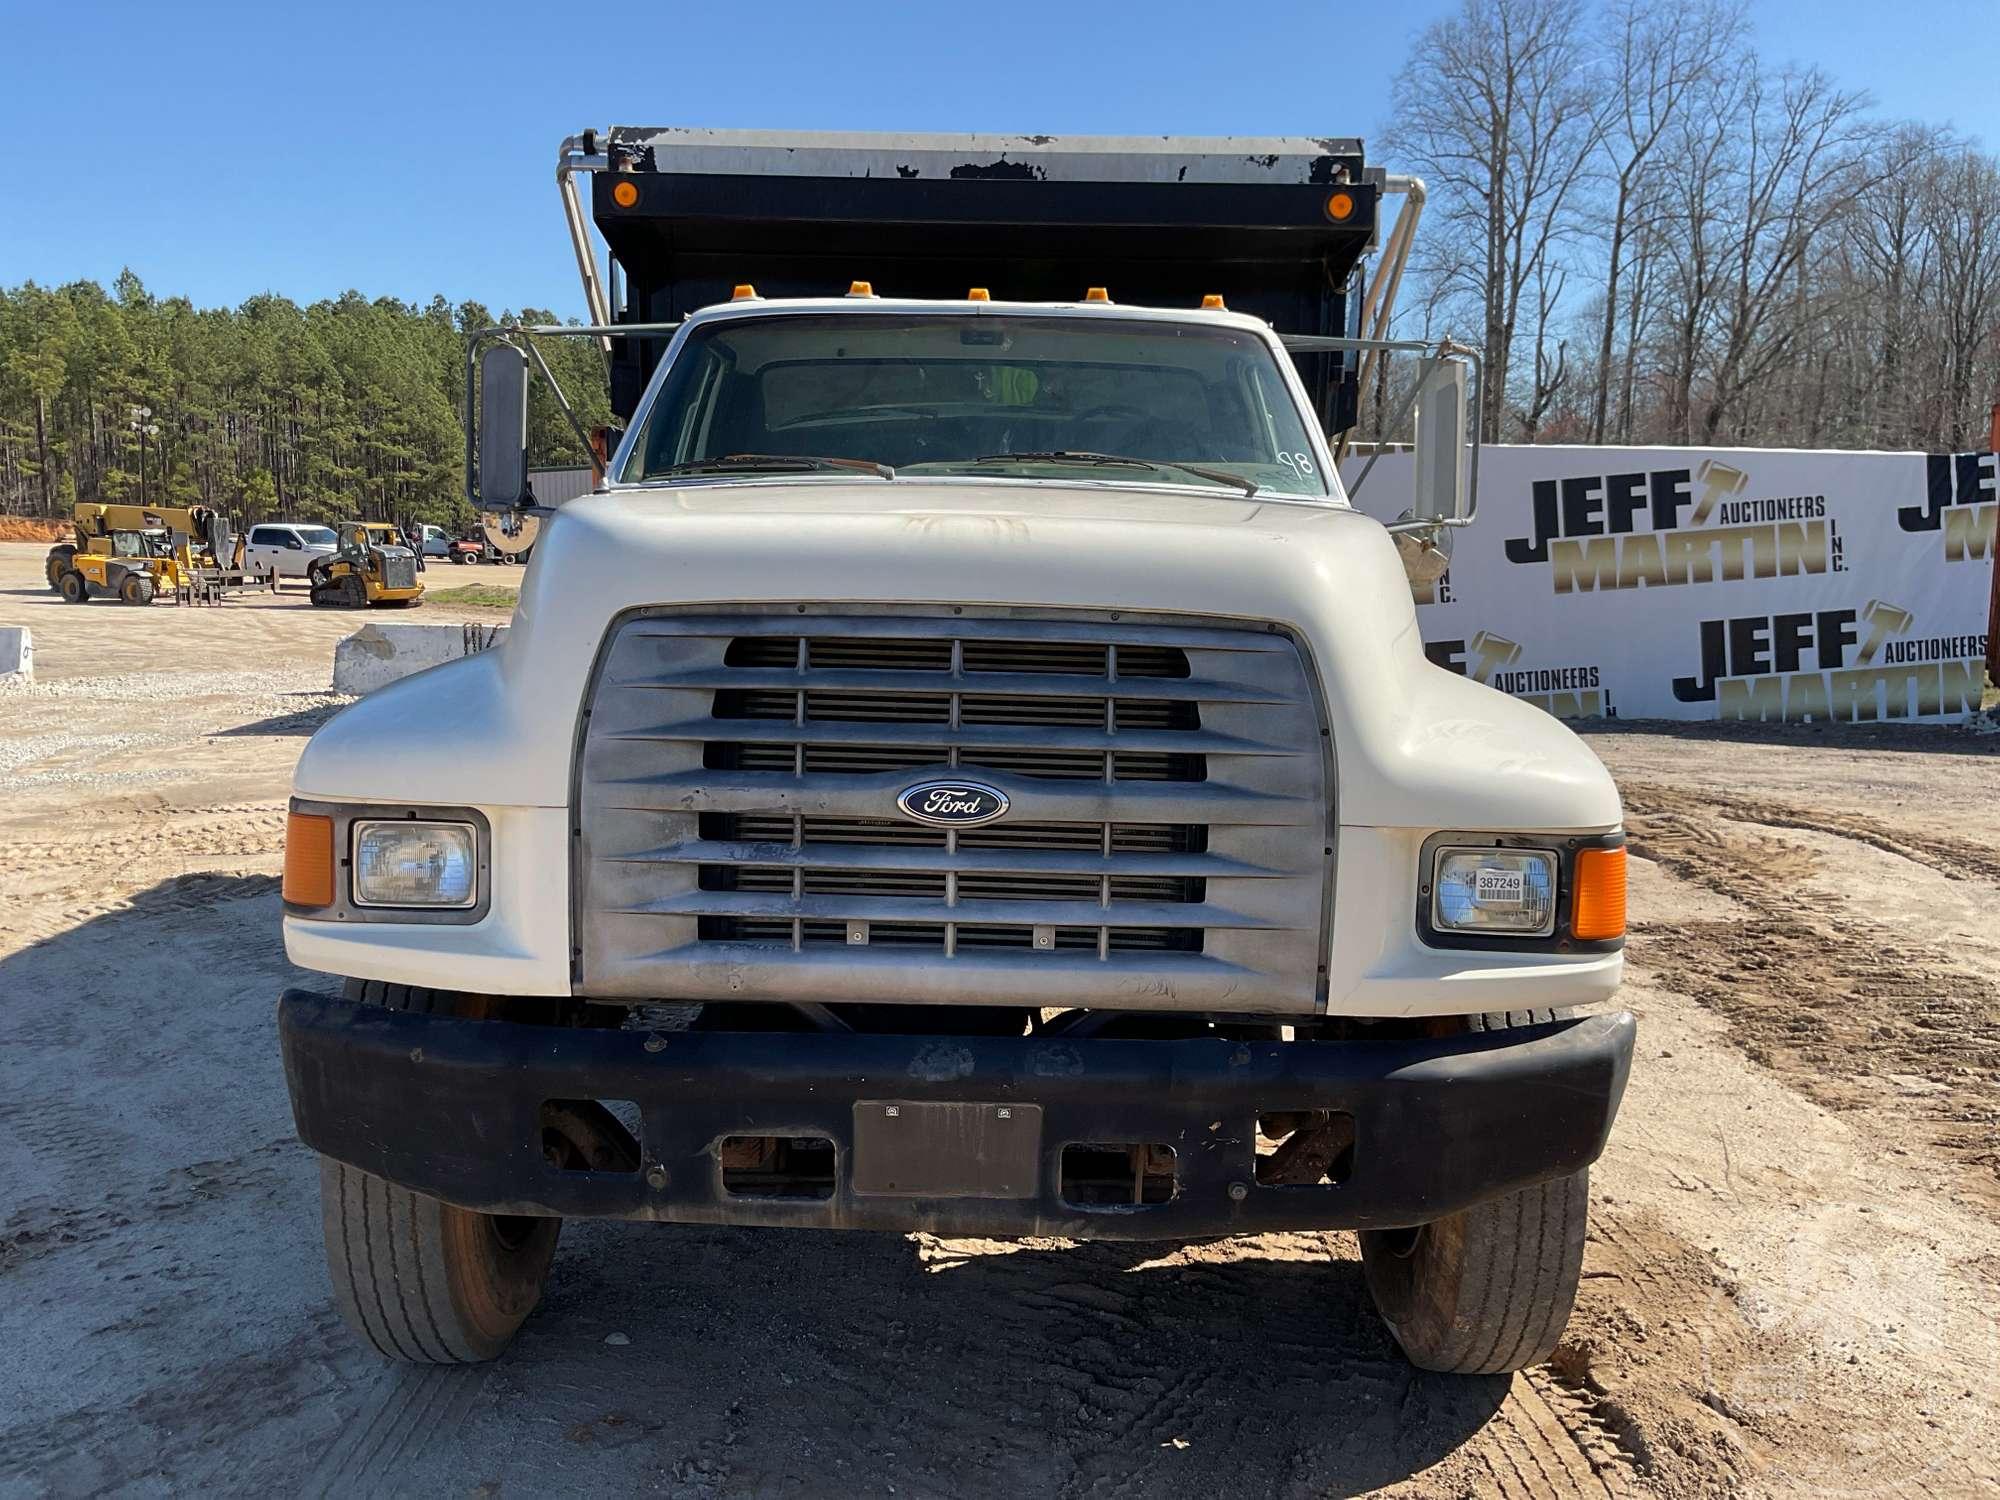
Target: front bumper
column 453, row 1108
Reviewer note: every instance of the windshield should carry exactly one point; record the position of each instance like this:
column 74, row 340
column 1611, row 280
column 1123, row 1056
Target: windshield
column 1019, row 397
column 317, row 536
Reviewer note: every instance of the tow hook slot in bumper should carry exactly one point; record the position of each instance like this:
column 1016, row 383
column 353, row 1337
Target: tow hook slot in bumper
column 456, row 1108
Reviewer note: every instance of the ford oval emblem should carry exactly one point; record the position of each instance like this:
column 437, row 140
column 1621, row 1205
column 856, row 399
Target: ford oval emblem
column 953, row 804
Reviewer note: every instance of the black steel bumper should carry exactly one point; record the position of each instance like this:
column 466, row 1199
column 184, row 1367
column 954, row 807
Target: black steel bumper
column 453, row 1108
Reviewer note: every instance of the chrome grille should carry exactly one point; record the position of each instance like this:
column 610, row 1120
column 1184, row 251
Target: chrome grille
column 1166, row 844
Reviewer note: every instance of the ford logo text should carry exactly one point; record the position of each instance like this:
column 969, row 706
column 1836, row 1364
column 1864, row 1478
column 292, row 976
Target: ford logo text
column 953, row 804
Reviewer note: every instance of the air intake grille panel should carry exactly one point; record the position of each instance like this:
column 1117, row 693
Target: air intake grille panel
column 739, row 837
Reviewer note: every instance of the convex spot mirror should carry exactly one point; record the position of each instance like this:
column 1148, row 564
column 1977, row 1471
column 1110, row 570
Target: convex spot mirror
column 503, row 427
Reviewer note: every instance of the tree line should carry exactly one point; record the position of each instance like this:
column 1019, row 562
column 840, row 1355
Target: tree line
column 1656, row 235
column 343, row 409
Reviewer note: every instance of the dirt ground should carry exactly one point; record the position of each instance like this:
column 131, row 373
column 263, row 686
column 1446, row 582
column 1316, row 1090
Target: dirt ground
column 1789, row 1287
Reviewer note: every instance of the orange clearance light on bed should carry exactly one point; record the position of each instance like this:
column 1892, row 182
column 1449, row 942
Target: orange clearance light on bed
column 308, row 860
column 1598, row 911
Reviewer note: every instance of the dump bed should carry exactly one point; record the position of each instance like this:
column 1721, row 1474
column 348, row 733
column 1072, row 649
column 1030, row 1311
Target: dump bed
column 1276, row 226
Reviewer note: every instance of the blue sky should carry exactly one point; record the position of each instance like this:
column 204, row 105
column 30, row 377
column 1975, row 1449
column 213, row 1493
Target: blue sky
column 222, row 150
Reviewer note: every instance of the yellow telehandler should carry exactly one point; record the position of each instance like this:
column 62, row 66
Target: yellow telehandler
column 131, row 552
column 135, row 553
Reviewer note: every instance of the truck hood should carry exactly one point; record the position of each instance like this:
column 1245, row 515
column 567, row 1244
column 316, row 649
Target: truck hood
column 1414, row 745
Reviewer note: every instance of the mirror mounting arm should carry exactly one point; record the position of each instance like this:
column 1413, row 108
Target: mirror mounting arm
column 523, row 335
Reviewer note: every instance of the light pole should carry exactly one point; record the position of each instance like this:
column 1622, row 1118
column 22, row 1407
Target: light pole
column 143, row 424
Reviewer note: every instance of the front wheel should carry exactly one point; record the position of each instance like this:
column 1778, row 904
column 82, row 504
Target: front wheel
column 1488, row 1290
column 136, row 589
column 422, row 1281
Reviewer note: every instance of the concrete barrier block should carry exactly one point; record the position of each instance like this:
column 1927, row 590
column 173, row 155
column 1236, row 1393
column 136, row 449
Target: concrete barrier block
column 376, row 655
column 17, row 654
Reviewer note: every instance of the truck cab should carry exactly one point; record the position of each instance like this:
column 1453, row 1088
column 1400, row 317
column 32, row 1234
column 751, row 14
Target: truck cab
column 968, row 767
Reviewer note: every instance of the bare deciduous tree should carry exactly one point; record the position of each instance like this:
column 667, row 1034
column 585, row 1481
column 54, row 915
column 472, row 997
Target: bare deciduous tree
column 1658, row 54
column 1498, row 111
column 1797, row 161
column 1663, row 240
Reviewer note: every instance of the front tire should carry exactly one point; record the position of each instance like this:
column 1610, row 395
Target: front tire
column 420, row 1280
column 136, row 589
column 1488, row 1290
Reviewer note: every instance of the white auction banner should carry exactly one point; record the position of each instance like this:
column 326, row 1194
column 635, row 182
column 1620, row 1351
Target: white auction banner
column 1716, row 583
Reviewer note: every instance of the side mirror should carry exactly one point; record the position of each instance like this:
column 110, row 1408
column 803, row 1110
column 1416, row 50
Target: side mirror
column 1442, row 482
column 503, row 427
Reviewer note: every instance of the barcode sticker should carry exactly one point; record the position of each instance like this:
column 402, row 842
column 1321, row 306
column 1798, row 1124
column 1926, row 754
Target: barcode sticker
column 1493, row 886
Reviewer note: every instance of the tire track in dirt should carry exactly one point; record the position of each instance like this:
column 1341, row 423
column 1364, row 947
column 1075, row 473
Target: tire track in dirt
column 411, row 1410
column 1957, row 858
column 1846, row 1009
column 37, row 1227
column 177, row 894
column 1309, row 1338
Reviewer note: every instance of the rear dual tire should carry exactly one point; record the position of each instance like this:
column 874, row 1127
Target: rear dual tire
column 419, row 1280
column 1488, row 1290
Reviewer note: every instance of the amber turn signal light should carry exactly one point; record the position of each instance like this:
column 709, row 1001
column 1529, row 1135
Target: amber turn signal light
column 1340, row 207
column 625, row 194
column 1597, row 911
column 308, row 860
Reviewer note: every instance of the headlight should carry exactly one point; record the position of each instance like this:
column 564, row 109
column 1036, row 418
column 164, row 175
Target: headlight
column 1494, row 892
column 407, row 863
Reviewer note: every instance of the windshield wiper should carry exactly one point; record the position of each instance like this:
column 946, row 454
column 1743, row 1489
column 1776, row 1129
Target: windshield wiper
column 1085, row 459
column 771, row 463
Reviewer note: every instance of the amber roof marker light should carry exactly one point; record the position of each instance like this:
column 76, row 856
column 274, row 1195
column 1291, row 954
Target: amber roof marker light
column 1340, row 207
column 1097, row 294
column 1213, row 302
column 979, row 294
column 625, row 194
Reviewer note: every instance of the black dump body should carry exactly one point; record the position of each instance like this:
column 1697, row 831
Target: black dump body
column 1159, row 221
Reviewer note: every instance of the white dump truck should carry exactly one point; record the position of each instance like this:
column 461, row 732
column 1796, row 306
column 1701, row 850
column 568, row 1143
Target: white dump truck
column 967, row 768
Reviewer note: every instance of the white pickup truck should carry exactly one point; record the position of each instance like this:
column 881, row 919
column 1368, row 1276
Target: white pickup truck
column 967, row 768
